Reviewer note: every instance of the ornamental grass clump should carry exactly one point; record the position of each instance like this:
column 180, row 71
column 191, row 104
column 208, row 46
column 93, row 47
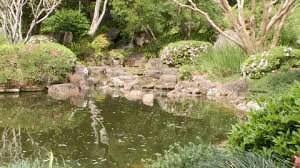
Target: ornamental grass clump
column 184, row 52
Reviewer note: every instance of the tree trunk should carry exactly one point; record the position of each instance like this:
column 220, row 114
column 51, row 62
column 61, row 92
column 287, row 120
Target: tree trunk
column 97, row 18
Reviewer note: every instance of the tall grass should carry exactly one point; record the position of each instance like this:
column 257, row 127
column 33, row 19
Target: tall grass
column 222, row 62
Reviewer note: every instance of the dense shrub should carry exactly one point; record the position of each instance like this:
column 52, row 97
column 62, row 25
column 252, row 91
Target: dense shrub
column 280, row 57
column 32, row 64
column 201, row 156
column 184, row 52
column 222, row 62
column 275, row 129
column 100, row 45
column 82, row 48
column 291, row 30
column 67, row 21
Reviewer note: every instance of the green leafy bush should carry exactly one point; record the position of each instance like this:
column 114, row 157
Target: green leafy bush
column 223, row 62
column 202, row 156
column 273, row 130
column 100, row 45
column 82, row 48
column 33, row 64
column 258, row 65
column 67, row 21
column 185, row 72
column 184, row 52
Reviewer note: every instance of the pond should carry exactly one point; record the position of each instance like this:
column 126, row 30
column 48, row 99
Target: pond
column 108, row 132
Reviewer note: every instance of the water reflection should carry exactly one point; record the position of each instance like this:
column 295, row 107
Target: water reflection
column 104, row 131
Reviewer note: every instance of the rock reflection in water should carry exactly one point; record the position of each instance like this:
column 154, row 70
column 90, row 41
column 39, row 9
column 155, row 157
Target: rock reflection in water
column 104, row 131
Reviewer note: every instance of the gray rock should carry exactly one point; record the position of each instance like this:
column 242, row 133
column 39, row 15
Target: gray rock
column 96, row 71
column 222, row 41
column 63, row 91
column 153, row 74
column 148, row 99
column 169, row 71
column 134, row 95
column 168, row 79
column 129, row 85
column 41, row 39
column 165, row 86
column 32, row 89
column 236, row 88
column 155, row 64
column 9, row 90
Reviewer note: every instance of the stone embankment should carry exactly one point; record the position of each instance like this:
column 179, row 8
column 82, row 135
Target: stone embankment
column 147, row 80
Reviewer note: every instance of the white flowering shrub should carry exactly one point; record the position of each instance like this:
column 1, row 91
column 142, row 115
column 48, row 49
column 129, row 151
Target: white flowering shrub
column 258, row 65
column 183, row 52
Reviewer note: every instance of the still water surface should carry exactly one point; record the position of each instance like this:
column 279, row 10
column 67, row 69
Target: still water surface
column 109, row 132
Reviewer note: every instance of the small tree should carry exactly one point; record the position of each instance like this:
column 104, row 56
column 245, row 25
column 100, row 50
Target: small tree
column 11, row 12
column 252, row 26
column 97, row 18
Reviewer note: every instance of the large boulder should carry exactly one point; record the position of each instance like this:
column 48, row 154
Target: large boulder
column 63, row 91
column 41, row 39
column 168, row 79
column 236, row 88
column 222, row 41
column 80, row 75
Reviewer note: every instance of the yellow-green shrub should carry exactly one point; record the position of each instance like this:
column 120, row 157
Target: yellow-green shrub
column 31, row 64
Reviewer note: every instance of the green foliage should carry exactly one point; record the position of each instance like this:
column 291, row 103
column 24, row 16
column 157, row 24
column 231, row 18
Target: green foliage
column 184, row 52
column 163, row 18
column 190, row 156
column 100, row 45
column 273, row 130
column 291, row 30
column 34, row 63
column 117, row 54
column 272, row 84
column 223, row 62
column 82, row 48
column 185, row 72
column 201, row 156
column 67, row 21
column 258, row 65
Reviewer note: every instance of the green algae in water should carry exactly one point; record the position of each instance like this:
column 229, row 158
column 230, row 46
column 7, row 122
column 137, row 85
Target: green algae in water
column 32, row 123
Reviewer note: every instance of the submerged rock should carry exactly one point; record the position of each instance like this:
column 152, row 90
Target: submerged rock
column 134, row 95
column 148, row 99
column 63, row 91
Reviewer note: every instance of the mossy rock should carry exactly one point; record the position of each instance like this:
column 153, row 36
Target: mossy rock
column 41, row 39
